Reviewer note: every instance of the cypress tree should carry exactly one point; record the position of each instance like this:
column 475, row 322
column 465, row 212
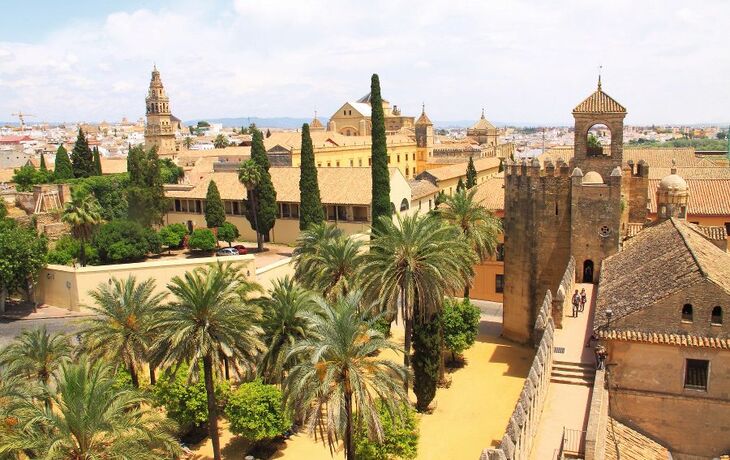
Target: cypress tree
column 266, row 205
column 97, row 162
column 380, row 177
column 215, row 216
column 81, row 157
column 62, row 169
column 147, row 203
column 310, row 202
column 426, row 359
column 471, row 174
column 460, row 186
column 43, row 164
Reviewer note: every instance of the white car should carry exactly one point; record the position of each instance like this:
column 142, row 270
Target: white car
column 227, row 252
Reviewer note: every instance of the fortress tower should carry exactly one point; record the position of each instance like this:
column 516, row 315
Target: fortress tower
column 159, row 131
column 424, row 140
column 578, row 208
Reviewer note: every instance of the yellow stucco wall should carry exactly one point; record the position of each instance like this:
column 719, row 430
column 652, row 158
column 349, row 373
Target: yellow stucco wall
column 69, row 287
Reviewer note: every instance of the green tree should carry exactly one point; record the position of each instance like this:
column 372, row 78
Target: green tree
column 264, row 206
column 82, row 159
column 460, row 324
column 413, row 262
column 22, row 255
column 334, row 269
column 120, row 330
column 460, row 187
column 215, row 215
column 256, row 412
column 170, row 173
column 120, row 241
column 309, row 246
column 427, row 345
column 400, row 436
column 3, row 209
column 287, row 309
column 209, row 319
column 110, row 191
column 339, row 372
column 42, row 166
column 97, row 162
column 147, row 203
column 172, row 235
column 220, row 142
column 202, row 239
column 25, row 177
column 36, row 354
column 62, row 167
column 92, row 418
column 471, row 174
column 249, row 174
column 381, row 205
column 310, row 206
column 479, row 226
column 228, row 233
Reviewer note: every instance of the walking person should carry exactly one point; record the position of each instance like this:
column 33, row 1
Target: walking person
column 583, row 299
column 576, row 303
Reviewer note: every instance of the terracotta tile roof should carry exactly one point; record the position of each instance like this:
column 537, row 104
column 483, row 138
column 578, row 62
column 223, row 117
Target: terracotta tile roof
column 482, row 124
column 599, row 102
column 490, row 193
column 623, row 443
column 421, row 188
column 713, row 232
column 692, row 172
column 661, row 260
column 333, row 185
column 423, row 119
column 655, row 158
column 459, row 169
column 707, row 197
column 684, row 340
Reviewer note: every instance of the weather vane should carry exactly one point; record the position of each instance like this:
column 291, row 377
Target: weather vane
column 600, row 68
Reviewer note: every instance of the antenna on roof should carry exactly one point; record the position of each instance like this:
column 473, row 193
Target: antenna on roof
column 600, row 67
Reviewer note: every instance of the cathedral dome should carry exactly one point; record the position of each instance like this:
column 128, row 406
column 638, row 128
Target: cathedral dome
column 592, row 178
column 673, row 182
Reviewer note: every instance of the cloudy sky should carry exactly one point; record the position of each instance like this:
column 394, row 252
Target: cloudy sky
column 524, row 61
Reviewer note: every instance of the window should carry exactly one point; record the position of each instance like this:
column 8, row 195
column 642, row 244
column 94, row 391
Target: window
column 687, row 312
column 178, row 206
column 695, row 376
column 331, row 212
column 429, row 204
column 407, row 172
column 342, row 213
column 352, row 162
column 359, row 162
column 329, row 164
column 404, row 205
column 716, row 317
column 337, row 163
column 727, row 228
column 370, row 161
column 388, row 159
column 360, row 213
column 500, row 252
column 398, row 158
column 285, row 210
column 498, row 283
column 413, row 156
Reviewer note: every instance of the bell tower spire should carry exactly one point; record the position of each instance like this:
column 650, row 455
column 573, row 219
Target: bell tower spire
column 158, row 132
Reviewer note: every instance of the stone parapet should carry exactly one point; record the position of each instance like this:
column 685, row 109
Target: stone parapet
column 595, row 444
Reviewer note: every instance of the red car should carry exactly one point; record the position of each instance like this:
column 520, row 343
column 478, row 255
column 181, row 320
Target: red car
column 241, row 249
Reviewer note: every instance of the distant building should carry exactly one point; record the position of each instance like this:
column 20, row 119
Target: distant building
column 160, row 129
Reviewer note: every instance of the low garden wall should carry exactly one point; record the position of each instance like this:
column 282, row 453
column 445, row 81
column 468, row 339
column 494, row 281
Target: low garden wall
column 522, row 426
column 69, row 287
column 279, row 269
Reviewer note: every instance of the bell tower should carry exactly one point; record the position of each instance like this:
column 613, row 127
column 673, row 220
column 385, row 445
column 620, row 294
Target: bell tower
column 159, row 131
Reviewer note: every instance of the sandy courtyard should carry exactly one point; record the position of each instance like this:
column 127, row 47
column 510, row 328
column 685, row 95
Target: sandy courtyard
column 471, row 415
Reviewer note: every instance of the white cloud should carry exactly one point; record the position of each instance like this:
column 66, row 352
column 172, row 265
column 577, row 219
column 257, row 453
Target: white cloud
column 523, row 60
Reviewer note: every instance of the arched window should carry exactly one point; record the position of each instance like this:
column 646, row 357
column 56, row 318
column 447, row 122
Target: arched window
column 716, row 317
column 598, row 141
column 404, row 205
column 687, row 312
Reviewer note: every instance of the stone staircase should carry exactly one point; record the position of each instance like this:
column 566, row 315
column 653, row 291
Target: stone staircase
column 573, row 373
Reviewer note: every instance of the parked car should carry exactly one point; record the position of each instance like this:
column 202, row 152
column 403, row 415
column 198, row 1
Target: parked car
column 227, row 252
column 241, row 249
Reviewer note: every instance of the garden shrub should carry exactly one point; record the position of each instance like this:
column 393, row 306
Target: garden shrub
column 228, row 233
column 400, row 436
column 122, row 241
column 460, row 323
column 256, row 412
column 171, row 236
column 202, row 239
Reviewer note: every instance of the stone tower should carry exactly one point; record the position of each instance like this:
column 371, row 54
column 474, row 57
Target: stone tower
column 424, row 140
column 159, row 131
column 555, row 211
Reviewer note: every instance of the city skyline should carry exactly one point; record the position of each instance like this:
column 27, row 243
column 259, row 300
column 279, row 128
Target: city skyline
column 222, row 59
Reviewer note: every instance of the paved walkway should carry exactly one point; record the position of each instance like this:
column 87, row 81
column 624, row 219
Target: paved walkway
column 567, row 405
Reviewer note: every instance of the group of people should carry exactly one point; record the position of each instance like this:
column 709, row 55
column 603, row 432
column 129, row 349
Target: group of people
column 579, row 302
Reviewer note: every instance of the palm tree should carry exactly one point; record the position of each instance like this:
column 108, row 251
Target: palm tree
column 338, row 382
column 416, row 259
column 309, row 245
column 334, row 269
column 120, row 331
column 188, row 142
column 480, row 227
column 83, row 214
column 36, row 354
column 209, row 319
column 287, row 317
column 249, row 174
column 91, row 418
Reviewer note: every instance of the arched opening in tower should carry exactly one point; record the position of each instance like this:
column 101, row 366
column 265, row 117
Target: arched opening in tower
column 598, row 141
column 588, row 271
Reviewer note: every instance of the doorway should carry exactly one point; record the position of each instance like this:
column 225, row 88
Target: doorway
column 588, row 271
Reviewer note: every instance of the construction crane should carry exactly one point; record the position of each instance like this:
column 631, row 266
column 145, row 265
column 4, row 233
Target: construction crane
column 21, row 116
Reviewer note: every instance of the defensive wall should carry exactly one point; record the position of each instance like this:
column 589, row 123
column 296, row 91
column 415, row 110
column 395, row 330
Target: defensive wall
column 522, row 426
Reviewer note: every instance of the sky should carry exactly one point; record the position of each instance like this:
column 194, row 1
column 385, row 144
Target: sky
column 523, row 61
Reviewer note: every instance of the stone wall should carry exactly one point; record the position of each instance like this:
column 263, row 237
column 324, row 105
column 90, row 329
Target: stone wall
column 562, row 299
column 595, row 444
column 522, row 426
